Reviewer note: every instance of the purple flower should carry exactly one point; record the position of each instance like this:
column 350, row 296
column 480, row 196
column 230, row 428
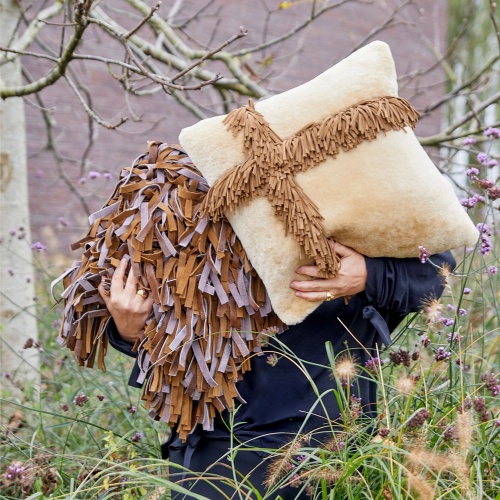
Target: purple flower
column 450, row 307
column 479, row 405
column 39, row 247
column 108, row 175
column 384, row 432
column 63, row 221
column 491, row 383
column 80, row 399
column 462, row 311
column 486, row 183
column 482, row 158
column 492, row 163
column 425, row 341
column 82, row 181
column 419, row 419
column 492, row 132
column 494, row 193
column 401, row 357
column 373, row 366
column 132, row 409
column 486, row 245
column 94, row 175
column 424, row 254
column 493, row 270
column 467, row 291
column 447, row 321
column 441, row 354
column 465, row 405
column 454, row 336
column 468, row 141
column 136, row 437
column 472, row 173
column 483, row 228
column 471, row 202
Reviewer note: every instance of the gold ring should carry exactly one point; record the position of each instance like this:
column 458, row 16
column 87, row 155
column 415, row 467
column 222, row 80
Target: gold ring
column 143, row 293
column 329, row 296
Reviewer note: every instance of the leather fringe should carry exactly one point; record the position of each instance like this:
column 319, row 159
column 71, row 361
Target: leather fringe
column 209, row 303
column 272, row 162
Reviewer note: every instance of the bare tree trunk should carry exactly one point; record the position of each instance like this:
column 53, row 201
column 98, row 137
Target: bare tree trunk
column 17, row 312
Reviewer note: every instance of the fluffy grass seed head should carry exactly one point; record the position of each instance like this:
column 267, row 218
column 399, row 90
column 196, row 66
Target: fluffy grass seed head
column 345, row 369
column 434, row 461
column 405, row 385
column 282, row 464
column 464, row 430
column 419, row 485
column 432, row 309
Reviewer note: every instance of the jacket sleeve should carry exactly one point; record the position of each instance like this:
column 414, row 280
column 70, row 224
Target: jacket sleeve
column 119, row 344
column 401, row 286
column 117, row 341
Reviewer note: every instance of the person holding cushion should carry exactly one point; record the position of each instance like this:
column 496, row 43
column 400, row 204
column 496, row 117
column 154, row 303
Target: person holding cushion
column 279, row 398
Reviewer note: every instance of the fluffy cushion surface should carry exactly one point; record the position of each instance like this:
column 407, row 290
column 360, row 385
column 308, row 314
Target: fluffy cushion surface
column 376, row 190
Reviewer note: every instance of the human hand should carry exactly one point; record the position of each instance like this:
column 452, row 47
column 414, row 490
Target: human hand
column 128, row 309
column 350, row 280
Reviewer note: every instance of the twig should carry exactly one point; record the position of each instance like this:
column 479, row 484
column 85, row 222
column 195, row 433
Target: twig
column 390, row 21
column 438, row 139
column 166, row 81
column 183, row 101
column 169, row 59
column 288, row 34
column 62, row 63
column 143, row 21
column 239, row 35
column 493, row 6
column 90, row 141
column 52, row 23
column 51, row 146
column 228, row 59
column 455, row 92
column 91, row 112
column 27, row 53
column 33, row 29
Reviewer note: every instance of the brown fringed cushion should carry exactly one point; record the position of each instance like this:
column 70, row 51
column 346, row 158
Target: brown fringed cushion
column 209, row 303
column 333, row 158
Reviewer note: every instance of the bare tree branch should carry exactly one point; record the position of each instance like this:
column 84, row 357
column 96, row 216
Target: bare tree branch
column 89, row 111
column 208, row 55
column 314, row 15
column 466, row 84
column 32, row 31
column 62, row 63
column 143, row 21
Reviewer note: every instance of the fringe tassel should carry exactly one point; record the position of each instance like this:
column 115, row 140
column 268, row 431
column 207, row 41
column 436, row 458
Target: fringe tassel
column 272, row 162
column 209, row 303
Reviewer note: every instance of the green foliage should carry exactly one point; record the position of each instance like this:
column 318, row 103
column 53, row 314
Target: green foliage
column 85, row 435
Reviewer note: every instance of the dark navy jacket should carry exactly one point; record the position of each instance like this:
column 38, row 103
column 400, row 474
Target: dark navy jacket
column 279, row 397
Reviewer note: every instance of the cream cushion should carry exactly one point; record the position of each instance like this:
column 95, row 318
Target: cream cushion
column 383, row 198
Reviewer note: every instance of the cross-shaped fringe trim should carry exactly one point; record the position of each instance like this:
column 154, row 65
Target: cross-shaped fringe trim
column 272, row 163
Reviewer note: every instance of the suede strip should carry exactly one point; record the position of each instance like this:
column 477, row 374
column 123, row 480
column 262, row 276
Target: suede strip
column 203, row 287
